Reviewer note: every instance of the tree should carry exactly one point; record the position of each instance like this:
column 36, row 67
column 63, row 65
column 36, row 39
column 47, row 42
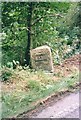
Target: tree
column 31, row 24
column 29, row 20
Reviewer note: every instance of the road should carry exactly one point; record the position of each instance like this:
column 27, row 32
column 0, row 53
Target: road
column 67, row 107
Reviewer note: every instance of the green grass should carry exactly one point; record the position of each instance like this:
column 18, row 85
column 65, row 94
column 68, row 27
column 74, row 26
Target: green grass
column 17, row 102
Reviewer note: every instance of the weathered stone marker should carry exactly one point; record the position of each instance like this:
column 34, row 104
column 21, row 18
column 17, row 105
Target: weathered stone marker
column 41, row 58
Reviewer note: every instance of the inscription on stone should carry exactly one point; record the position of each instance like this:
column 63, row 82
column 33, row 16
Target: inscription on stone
column 41, row 58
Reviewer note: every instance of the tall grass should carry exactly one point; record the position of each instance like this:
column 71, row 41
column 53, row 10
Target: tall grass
column 37, row 85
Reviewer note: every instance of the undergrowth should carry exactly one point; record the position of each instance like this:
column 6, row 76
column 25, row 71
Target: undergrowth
column 30, row 87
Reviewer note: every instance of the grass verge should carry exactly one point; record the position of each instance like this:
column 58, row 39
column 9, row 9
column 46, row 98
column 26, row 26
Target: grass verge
column 37, row 85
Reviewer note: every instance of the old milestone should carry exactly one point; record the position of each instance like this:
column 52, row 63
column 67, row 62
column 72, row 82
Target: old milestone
column 41, row 58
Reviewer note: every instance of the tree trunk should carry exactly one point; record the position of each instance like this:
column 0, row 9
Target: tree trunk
column 29, row 18
column 79, row 22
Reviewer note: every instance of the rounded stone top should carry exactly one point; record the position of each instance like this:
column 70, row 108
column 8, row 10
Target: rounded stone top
column 42, row 47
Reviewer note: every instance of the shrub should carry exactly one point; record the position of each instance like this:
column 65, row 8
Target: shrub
column 9, row 65
column 6, row 73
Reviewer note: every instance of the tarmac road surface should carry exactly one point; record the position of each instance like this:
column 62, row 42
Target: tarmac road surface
column 68, row 107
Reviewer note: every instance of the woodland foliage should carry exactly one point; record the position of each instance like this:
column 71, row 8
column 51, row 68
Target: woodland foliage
column 26, row 25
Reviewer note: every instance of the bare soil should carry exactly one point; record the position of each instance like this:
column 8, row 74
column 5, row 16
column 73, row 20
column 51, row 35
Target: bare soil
column 69, row 65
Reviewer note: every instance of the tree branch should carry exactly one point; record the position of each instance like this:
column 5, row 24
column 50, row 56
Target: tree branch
column 38, row 19
column 25, row 28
